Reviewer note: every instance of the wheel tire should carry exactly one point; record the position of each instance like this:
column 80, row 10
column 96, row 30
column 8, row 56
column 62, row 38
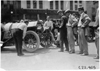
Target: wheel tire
column 37, row 41
column 47, row 42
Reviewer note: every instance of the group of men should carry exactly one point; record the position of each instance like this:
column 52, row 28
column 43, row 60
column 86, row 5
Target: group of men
column 69, row 19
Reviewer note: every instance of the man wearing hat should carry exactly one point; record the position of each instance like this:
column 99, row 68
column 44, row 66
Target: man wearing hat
column 63, row 31
column 71, row 20
column 84, row 20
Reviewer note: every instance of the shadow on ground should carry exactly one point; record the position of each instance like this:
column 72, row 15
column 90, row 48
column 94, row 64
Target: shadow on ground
column 38, row 51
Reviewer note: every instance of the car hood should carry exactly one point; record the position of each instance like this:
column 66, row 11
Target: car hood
column 32, row 24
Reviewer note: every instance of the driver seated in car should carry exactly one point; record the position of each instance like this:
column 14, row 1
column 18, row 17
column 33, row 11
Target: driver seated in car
column 48, row 25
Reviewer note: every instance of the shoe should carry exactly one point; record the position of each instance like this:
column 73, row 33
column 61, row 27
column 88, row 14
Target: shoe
column 61, row 51
column 20, row 54
column 53, row 45
column 66, row 50
column 80, row 53
column 96, row 57
column 71, row 52
column 85, row 54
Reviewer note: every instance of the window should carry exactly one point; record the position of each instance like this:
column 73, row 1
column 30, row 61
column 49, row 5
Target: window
column 71, row 5
column 51, row 4
column 17, row 4
column 75, row 7
column 40, row 4
column 34, row 4
column 75, row 1
column 28, row 4
column 80, row 5
column 11, row 2
column 5, row 2
column 62, row 5
column 8, row 2
column 56, row 5
column 2, row 2
column 80, row 1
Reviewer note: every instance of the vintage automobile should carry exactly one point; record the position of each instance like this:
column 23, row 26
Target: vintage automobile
column 42, row 37
column 34, row 37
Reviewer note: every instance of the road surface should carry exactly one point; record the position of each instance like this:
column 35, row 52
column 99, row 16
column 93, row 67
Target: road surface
column 48, row 59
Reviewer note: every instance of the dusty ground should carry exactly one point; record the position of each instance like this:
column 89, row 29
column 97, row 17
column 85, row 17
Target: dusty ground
column 48, row 59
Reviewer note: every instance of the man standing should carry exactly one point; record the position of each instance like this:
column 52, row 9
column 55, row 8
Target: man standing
column 96, row 25
column 19, row 32
column 63, row 32
column 75, row 27
column 72, row 20
column 82, row 24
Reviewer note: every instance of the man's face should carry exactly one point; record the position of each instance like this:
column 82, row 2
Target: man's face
column 60, row 14
column 80, row 12
column 67, row 14
column 48, row 18
column 26, row 23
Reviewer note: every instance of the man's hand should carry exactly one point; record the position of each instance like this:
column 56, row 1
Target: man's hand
column 95, row 25
column 72, row 25
column 83, row 26
column 59, row 26
column 23, row 38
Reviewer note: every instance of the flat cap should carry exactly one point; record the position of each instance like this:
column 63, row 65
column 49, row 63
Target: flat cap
column 68, row 11
column 59, row 11
column 94, row 2
column 80, row 8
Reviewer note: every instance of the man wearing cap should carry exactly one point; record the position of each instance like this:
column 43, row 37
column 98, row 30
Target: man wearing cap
column 63, row 31
column 72, row 20
column 96, row 25
column 82, row 24
column 19, row 32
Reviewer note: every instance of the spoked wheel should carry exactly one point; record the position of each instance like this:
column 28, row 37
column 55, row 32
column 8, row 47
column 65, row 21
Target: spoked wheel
column 45, row 44
column 31, row 41
column 46, row 41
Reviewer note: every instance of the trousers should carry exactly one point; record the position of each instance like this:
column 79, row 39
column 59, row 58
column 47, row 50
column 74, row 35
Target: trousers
column 17, row 34
column 97, row 41
column 71, row 40
column 83, row 45
column 63, row 39
column 75, row 33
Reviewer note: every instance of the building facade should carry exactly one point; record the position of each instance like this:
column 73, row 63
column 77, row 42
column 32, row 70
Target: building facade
column 30, row 9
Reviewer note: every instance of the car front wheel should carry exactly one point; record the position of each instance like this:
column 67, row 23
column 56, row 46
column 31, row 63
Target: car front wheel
column 31, row 41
